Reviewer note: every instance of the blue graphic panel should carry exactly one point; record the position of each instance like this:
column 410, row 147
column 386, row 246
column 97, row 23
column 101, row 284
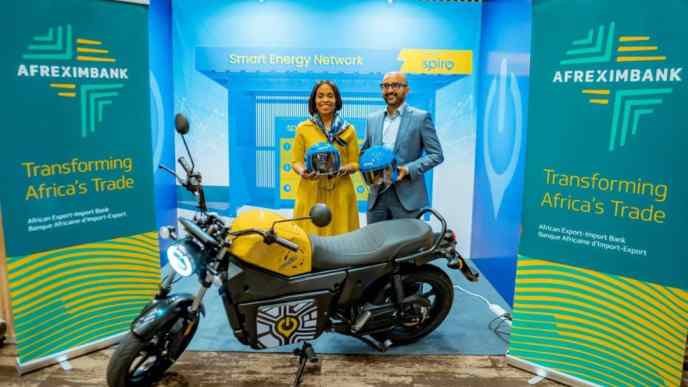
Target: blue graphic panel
column 160, row 53
column 500, row 140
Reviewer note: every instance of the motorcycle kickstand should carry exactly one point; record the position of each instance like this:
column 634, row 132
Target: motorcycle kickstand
column 306, row 354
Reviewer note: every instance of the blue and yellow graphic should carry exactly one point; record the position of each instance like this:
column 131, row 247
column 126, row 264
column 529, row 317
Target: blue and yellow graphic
column 602, row 45
column 608, row 329
column 60, row 44
column 598, row 47
column 63, row 297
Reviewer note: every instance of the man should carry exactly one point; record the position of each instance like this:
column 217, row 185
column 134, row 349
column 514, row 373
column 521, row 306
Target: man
column 410, row 133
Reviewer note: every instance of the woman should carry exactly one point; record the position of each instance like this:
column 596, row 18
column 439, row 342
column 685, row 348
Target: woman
column 337, row 192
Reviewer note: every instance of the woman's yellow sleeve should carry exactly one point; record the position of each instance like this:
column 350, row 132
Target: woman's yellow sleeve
column 298, row 151
column 352, row 147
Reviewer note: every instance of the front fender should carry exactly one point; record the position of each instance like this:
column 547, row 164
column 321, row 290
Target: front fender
column 158, row 313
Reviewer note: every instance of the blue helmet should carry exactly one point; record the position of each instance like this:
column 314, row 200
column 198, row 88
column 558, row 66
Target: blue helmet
column 378, row 165
column 323, row 158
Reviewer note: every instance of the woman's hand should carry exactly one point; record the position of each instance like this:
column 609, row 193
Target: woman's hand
column 301, row 171
column 308, row 175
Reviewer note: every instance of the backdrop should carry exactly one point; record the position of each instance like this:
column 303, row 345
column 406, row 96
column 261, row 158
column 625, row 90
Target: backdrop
column 243, row 71
column 245, row 88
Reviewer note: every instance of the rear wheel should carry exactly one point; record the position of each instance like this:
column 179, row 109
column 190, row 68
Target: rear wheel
column 434, row 297
column 137, row 362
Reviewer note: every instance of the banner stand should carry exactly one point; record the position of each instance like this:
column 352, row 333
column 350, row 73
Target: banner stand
column 545, row 372
column 80, row 253
column 69, row 354
column 601, row 282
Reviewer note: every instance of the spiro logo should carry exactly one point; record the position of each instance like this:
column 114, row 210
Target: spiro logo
column 287, row 325
column 430, row 65
column 627, row 70
column 75, row 67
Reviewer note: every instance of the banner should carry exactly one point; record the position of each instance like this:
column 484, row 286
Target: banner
column 77, row 172
column 601, row 285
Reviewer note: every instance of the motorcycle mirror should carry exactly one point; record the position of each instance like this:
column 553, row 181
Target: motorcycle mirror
column 181, row 124
column 320, row 215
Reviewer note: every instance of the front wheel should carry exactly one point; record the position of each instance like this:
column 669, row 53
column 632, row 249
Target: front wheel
column 137, row 362
column 434, row 297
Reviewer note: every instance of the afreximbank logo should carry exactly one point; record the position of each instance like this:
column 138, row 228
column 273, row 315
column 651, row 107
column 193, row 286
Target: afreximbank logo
column 629, row 72
column 75, row 67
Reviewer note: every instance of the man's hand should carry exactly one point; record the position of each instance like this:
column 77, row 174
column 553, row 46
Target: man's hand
column 347, row 169
column 403, row 172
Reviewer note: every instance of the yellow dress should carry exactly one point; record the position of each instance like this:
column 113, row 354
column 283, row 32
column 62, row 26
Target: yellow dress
column 337, row 192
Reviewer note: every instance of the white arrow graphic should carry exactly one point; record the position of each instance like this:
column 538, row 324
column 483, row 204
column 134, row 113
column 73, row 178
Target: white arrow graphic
column 500, row 181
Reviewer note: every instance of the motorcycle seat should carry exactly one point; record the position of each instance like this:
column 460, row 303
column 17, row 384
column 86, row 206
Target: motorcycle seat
column 375, row 243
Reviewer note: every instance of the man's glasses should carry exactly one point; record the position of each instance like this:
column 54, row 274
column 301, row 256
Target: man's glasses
column 393, row 86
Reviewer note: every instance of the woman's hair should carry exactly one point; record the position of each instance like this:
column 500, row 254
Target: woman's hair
column 337, row 97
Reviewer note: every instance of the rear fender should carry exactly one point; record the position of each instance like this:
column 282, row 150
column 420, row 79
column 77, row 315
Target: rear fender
column 158, row 313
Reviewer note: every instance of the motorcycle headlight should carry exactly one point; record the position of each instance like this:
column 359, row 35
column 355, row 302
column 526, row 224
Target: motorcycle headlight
column 180, row 260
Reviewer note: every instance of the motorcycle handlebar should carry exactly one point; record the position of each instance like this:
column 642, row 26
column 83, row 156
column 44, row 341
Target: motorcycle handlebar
column 192, row 183
column 171, row 172
column 197, row 232
column 288, row 244
column 185, row 164
column 268, row 238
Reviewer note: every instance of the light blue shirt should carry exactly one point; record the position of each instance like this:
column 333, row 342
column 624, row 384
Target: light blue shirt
column 390, row 126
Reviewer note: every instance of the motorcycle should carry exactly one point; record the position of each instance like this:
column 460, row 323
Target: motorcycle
column 280, row 286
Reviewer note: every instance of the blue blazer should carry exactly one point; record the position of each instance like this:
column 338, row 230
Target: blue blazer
column 417, row 147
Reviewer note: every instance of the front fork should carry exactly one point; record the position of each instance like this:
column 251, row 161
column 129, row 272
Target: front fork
column 166, row 286
column 197, row 299
column 210, row 278
column 166, row 307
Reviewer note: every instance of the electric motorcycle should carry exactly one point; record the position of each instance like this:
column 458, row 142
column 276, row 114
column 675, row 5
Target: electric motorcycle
column 280, row 286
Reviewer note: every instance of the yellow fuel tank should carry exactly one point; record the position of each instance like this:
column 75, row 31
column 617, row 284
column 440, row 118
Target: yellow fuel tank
column 274, row 257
